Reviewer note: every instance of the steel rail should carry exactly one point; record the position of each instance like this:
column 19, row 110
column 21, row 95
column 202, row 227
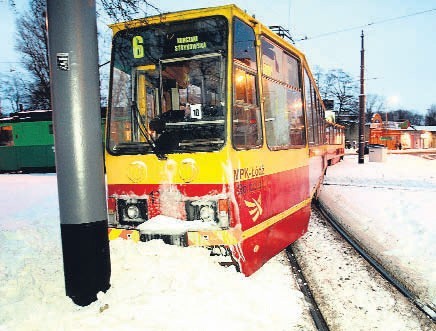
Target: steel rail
column 428, row 311
column 314, row 310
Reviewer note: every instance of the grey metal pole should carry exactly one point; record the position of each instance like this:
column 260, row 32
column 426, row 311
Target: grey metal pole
column 75, row 97
column 362, row 102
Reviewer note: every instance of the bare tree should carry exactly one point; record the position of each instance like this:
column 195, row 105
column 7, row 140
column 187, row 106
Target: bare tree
column 374, row 104
column 324, row 82
column 344, row 88
column 32, row 43
column 12, row 5
column 430, row 117
column 13, row 89
column 125, row 10
column 339, row 86
column 400, row 115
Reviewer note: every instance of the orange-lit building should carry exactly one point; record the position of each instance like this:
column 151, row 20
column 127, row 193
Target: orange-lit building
column 401, row 135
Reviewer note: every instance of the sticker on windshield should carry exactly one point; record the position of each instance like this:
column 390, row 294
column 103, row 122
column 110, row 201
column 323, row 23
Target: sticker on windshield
column 196, row 111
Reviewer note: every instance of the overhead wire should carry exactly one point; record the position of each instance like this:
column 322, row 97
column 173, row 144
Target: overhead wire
column 366, row 25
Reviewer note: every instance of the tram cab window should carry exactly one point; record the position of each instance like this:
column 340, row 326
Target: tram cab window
column 246, row 116
column 173, row 73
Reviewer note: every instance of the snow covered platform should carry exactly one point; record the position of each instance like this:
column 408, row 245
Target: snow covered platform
column 389, row 207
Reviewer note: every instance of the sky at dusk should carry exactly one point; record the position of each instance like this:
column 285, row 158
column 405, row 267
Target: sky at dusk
column 399, row 40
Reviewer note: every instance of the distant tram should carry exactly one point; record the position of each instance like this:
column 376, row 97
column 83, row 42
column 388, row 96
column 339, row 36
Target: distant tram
column 26, row 142
column 335, row 143
column 215, row 135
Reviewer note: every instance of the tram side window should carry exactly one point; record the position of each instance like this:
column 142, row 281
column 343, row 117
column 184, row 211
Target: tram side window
column 246, row 128
column 244, row 50
column 315, row 116
column 315, row 113
column 294, row 102
column 338, row 136
column 284, row 117
column 309, row 110
column 321, row 125
column 276, row 122
column 6, row 137
column 329, row 133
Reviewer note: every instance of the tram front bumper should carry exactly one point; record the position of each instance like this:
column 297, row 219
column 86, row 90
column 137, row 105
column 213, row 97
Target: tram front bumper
column 202, row 238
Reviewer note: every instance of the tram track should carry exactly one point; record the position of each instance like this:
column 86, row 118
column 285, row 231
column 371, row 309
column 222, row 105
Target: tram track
column 344, row 288
column 315, row 312
column 391, row 279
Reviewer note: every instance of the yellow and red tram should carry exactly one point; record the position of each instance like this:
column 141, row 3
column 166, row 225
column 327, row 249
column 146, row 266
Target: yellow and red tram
column 215, row 135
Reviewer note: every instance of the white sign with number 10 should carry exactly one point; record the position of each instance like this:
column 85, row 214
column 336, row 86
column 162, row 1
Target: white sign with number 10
column 196, row 111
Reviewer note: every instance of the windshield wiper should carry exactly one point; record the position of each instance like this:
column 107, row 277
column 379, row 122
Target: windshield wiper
column 141, row 125
column 132, row 148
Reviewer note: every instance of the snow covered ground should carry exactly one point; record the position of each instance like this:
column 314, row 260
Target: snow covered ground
column 390, row 206
column 153, row 286
column 350, row 293
column 159, row 287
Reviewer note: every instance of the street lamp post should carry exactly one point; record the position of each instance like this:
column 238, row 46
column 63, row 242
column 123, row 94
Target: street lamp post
column 362, row 102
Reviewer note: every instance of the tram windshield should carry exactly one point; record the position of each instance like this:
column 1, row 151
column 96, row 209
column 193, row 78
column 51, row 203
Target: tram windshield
column 167, row 88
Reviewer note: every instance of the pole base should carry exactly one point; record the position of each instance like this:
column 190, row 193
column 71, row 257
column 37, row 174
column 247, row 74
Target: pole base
column 86, row 256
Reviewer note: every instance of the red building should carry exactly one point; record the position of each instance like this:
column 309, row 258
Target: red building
column 401, row 135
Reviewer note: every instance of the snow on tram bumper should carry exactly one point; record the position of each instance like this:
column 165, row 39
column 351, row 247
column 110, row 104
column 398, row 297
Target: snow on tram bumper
column 206, row 224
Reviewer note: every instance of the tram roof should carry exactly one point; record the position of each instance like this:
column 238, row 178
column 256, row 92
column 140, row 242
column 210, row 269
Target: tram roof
column 28, row 116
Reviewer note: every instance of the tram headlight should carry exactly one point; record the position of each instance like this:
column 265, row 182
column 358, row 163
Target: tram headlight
column 207, row 213
column 132, row 211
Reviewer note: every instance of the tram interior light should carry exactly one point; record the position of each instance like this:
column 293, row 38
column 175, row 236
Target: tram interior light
column 239, row 78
